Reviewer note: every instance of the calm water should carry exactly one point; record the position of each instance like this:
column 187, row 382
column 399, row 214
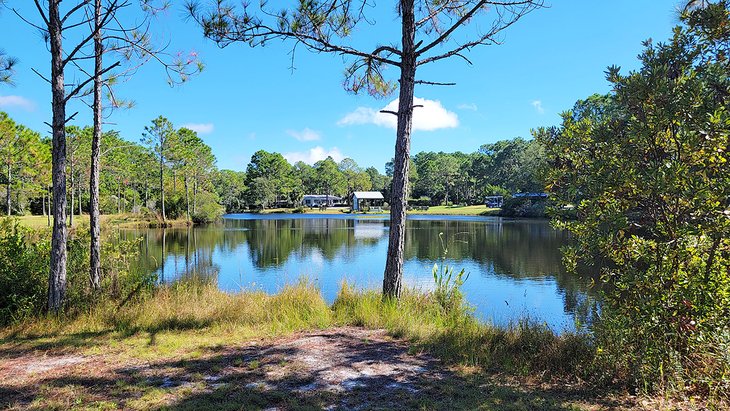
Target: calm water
column 514, row 265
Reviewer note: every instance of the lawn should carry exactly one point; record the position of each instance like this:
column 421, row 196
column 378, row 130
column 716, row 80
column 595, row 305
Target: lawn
column 473, row 210
column 126, row 220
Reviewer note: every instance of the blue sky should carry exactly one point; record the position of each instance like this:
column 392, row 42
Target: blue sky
column 249, row 99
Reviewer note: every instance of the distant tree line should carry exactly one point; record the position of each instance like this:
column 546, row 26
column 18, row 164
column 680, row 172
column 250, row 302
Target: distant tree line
column 177, row 164
column 169, row 162
column 501, row 168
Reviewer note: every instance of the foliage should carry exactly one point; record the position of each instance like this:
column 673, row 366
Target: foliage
column 130, row 174
column 501, row 168
column 231, row 188
column 208, row 208
column 646, row 168
column 447, row 290
column 7, row 68
column 270, row 178
column 524, row 207
column 22, row 272
column 24, row 255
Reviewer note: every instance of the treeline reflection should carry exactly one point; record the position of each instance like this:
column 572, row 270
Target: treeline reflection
column 512, row 249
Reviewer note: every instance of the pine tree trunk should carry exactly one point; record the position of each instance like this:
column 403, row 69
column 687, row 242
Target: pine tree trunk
column 195, row 195
column 187, row 199
column 8, row 199
column 81, row 211
column 162, row 185
column 57, row 275
column 94, row 213
column 393, row 277
column 73, row 193
column 48, row 215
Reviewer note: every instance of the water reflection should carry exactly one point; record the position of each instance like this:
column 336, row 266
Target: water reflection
column 515, row 267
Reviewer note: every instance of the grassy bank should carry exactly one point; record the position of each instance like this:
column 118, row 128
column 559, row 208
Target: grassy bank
column 185, row 324
column 474, row 210
column 191, row 346
column 126, row 220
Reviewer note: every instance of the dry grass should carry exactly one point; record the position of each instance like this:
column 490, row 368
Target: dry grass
column 191, row 346
column 125, row 220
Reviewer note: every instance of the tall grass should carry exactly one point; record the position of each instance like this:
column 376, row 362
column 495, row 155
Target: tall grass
column 455, row 336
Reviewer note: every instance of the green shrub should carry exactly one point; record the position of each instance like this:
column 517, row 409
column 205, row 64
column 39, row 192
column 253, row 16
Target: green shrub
column 23, row 271
column 524, row 207
column 208, row 208
column 420, row 202
column 24, row 265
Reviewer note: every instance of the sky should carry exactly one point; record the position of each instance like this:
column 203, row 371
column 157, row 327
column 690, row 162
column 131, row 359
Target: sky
column 294, row 103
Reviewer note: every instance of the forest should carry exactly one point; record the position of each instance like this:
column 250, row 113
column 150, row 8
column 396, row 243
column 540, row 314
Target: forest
column 196, row 190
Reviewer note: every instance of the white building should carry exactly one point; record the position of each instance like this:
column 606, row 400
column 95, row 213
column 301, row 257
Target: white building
column 318, row 200
column 362, row 199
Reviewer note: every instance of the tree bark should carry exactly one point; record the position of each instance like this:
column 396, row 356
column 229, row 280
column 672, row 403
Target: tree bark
column 393, row 277
column 187, row 199
column 73, row 193
column 162, row 183
column 195, row 194
column 78, row 177
column 57, row 275
column 48, row 215
column 7, row 191
column 94, row 214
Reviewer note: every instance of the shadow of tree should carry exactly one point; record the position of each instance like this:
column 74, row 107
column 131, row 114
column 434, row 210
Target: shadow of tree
column 13, row 345
column 346, row 368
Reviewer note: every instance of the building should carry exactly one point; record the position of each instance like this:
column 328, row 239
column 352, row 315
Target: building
column 319, row 200
column 364, row 199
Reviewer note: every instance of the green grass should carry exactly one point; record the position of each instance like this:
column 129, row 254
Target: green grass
column 190, row 316
column 125, row 220
column 473, row 210
column 198, row 330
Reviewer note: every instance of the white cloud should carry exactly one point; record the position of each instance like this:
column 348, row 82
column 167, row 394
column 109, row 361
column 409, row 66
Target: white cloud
column 17, row 101
column 305, row 135
column 538, row 106
column 200, row 128
column 432, row 116
column 470, row 107
column 313, row 155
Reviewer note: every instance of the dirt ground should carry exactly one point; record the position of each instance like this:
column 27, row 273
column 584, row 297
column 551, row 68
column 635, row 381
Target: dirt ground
column 341, row 368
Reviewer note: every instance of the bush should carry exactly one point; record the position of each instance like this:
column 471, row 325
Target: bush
column 208, row 208
column 420, row 202
column 24, row 262
column 524, row 207
column 23, row 271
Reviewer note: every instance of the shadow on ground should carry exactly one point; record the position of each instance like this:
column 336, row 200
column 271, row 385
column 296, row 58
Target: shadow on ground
column 343, row 368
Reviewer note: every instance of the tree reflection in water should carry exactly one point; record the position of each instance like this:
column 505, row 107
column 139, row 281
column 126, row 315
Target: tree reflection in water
column 515, row 265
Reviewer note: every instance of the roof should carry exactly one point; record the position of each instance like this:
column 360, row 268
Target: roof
column 368, row 195
column 321, row 196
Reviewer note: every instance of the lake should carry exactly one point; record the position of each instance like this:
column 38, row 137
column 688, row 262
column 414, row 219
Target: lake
column 514, row 266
